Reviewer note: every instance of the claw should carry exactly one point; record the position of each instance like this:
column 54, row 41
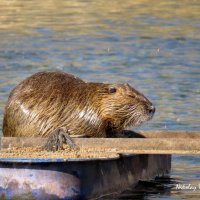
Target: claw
column 57, row 139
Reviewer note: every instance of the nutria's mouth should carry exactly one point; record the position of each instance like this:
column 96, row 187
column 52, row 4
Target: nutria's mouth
column 140, row 117
column 143, row 119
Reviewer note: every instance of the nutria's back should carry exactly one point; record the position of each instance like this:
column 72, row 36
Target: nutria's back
column 49, row 100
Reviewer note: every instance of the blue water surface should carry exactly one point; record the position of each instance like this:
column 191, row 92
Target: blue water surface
column 152, row 45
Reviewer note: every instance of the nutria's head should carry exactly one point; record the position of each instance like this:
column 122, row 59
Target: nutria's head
column 123, row 106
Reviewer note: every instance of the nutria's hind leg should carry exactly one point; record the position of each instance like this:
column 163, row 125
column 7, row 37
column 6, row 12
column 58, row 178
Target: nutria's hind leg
column 57, row 139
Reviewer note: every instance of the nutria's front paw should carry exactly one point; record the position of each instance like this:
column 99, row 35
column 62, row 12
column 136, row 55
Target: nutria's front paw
column 56, row 140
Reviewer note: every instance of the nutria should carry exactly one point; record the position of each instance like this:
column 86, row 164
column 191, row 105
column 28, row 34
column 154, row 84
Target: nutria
column 57, row 103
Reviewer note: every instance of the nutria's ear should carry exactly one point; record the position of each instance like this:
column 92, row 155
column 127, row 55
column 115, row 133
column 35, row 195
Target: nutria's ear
column 127, row 85
column 112, row 89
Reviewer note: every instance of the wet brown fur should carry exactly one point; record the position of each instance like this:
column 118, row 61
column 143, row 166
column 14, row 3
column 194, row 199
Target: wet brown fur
column 49, row 100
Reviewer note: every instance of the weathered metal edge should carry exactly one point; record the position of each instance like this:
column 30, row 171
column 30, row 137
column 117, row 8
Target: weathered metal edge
column 89, row 179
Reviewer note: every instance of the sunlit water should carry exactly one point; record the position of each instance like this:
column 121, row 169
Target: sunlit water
column 153, row 45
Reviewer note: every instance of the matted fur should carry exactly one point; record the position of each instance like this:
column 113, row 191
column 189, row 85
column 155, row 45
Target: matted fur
column 49, row 100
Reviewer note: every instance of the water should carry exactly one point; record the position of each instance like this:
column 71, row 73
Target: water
column 153, row 45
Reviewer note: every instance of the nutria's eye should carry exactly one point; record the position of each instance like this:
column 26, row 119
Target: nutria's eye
column 132, row 95
column 112, row 90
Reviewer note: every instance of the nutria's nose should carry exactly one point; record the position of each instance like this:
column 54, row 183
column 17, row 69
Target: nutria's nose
column 151, row 109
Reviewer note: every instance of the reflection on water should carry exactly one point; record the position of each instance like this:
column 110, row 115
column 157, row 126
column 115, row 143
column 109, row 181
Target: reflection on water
column 145, row 190
column 153, row 45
